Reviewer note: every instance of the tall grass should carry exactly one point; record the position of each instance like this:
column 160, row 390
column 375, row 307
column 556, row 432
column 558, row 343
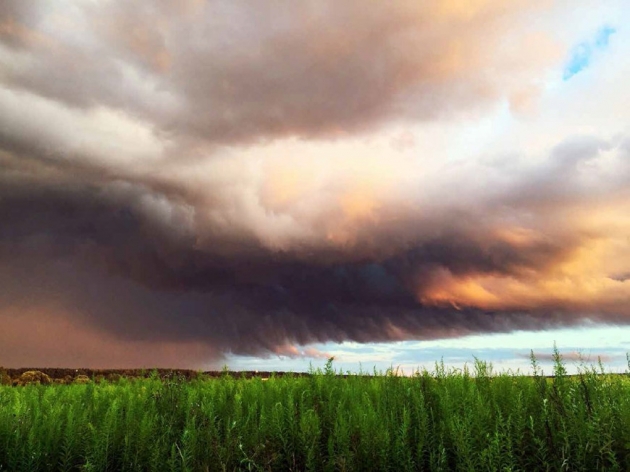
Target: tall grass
column 469, row 420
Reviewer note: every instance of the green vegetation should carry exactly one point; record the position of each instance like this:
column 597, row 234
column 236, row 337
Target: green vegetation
column 441, row 420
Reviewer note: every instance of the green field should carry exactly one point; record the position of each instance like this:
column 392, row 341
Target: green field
column 440, row 420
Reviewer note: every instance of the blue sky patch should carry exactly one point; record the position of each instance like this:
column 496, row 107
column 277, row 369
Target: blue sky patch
column 584, row 52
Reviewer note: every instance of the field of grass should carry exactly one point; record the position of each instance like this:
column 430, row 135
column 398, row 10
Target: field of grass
column 440, row 420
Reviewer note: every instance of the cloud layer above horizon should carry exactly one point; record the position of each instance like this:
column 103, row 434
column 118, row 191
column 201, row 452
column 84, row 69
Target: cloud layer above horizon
column 184, row 179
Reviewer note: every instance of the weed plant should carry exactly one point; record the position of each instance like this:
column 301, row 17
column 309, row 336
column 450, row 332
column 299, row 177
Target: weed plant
column 445, row 420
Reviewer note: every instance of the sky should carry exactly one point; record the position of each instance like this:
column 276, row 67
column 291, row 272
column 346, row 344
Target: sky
column 267, row 184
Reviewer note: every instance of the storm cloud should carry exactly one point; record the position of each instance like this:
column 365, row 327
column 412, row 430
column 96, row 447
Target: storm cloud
column 246, row 71
column 182, row 180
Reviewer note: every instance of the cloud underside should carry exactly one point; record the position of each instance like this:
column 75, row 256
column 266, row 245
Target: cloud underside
column 236, row 73
column 174, row 193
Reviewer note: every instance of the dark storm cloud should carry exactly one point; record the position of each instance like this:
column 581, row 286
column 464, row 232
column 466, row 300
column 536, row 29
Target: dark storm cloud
column 92, row 249
column 136, row 258
column 130, row 207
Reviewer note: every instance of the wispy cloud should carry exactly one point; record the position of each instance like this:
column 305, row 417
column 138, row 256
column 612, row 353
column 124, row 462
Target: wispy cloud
column 575, row 356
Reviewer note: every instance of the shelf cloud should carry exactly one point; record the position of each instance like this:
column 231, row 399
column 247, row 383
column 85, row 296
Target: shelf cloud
column 182, row 180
